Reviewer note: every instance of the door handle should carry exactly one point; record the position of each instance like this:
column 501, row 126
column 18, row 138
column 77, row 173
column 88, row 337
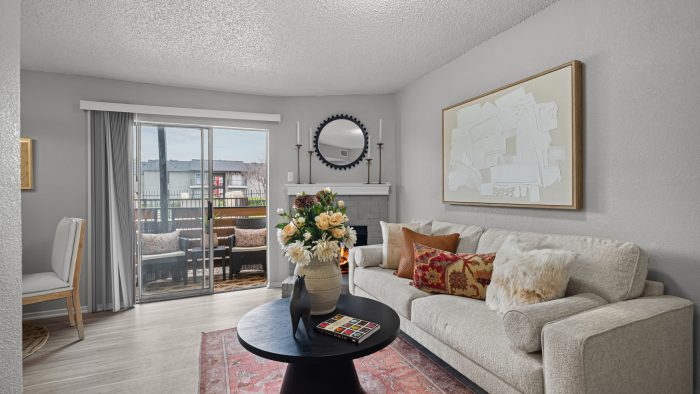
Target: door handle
column 210, row 210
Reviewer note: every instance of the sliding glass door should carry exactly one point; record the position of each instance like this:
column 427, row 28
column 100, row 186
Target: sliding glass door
column 173, row 211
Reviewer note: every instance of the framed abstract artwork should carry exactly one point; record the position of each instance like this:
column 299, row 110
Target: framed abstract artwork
column 25, row 162
column 517, row 146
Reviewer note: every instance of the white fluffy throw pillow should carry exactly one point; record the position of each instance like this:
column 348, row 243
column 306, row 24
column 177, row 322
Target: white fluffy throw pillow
column 523, row 277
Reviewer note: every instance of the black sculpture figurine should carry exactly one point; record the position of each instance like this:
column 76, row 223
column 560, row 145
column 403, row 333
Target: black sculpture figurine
column 300, row 306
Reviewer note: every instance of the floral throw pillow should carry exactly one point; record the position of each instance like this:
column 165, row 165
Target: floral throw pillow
column 460, row 274
column 250, row 237
column 160, row 243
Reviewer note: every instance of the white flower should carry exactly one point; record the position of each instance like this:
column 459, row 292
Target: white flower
column 327, row 190
column 350, row 237
column 326, row 250
column 346, row 219
column 297, row 253
column 281, row 238
column 307, row 235
column 299, row 194
column 280, row 211
column 299, row 221
column 341, row 204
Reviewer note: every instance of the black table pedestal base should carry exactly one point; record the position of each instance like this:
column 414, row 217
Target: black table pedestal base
column 329, row 377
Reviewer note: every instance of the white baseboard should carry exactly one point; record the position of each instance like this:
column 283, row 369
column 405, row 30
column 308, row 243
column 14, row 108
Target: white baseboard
column 49, row 313
column 274, row 285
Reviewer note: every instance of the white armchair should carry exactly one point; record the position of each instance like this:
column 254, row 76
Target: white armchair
column 63, row 279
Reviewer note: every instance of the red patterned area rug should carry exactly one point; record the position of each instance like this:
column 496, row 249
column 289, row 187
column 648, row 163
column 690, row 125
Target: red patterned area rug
column 399, row 368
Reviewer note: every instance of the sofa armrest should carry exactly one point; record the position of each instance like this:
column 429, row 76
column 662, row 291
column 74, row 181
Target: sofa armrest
column 523, row 325
column 643, row 345
column 362, row 256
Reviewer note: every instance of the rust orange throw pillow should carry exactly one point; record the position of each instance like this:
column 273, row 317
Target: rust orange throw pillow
column 463, row 274
column 443, row 242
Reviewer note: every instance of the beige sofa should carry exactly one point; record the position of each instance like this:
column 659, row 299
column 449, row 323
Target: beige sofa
column 639, row 341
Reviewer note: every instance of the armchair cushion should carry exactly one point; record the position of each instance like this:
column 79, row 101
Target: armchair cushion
column 523, row 325
column 62, row 251
column 42, row 282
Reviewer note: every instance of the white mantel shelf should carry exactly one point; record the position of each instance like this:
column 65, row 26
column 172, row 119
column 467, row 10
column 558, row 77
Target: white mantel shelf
column 342, row 188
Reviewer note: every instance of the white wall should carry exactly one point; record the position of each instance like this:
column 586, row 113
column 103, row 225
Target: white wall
column 51, row 115
column 10, row 231
column 641, row 127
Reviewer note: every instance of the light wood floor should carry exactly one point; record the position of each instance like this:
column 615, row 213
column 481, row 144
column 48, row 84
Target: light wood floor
column 153, row 348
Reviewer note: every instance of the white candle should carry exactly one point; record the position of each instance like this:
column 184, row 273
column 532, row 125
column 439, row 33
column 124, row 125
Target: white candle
column 380, row 130
column 310, row 139
column 298, row 136
column 369, row 147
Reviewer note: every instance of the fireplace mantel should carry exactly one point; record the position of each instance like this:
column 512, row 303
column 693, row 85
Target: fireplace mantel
column 342, row 188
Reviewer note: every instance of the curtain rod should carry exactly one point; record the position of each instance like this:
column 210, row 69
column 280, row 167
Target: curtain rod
column 177, row 111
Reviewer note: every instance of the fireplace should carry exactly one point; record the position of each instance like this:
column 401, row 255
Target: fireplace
column 361, row 241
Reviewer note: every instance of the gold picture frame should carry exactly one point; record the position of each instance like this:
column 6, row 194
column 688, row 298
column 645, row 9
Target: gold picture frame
column 26, row 164
column 517, row 146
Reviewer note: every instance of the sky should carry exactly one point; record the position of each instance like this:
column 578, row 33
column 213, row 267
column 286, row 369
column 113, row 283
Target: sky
column 184, row 144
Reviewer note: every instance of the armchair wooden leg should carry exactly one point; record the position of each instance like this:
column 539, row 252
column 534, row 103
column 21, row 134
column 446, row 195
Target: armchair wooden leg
column 71, row 311
column 78, row 316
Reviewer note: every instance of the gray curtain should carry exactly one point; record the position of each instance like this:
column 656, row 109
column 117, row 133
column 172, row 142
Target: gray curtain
column 111, row 231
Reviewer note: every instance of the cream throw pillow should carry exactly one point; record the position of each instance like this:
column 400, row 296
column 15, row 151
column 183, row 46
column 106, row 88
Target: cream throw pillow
column 393, row 241
column 523, row 277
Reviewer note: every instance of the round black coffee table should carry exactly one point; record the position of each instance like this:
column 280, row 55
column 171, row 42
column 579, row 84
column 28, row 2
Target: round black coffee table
column 321, row 363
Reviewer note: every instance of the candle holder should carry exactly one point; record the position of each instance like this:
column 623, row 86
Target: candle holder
column 298, row 163
column 310, row 157
column 369, row 165
column 380, row 146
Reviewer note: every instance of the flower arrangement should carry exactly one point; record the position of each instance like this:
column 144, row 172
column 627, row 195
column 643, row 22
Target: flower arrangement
column 317, row 228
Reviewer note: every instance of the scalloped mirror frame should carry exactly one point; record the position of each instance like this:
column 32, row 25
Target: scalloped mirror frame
column 317, row 134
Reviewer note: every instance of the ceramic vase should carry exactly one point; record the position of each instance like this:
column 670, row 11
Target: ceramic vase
column 323, row 282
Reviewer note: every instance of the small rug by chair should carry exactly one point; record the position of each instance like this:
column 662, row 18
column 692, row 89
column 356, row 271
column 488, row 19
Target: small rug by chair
column 242, row 281
column 34, row 337
column 399, row 368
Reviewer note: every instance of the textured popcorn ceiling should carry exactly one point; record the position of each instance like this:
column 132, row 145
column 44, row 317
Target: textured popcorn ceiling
column 275, row 47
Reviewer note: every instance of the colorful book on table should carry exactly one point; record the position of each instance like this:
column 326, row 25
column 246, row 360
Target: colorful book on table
column 348, row 328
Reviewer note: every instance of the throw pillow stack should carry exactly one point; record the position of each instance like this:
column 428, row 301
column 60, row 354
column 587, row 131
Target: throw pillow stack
column 515, row 275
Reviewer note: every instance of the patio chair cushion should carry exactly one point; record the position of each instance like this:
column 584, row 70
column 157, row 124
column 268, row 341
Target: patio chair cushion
column 240, row 249
column 146, row 257
column 42, row 282
column 246, row 237
column 160, row 243
column 62, row 251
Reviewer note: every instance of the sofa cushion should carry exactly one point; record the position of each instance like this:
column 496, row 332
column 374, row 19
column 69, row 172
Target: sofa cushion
column 614, row 270
column 524, row 324
column 393, row 291
column 442, row 242
column 471, row 328
column 468, row 235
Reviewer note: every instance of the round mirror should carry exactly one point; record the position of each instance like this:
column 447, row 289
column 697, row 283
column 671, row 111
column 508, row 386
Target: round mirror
column 341, row 141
